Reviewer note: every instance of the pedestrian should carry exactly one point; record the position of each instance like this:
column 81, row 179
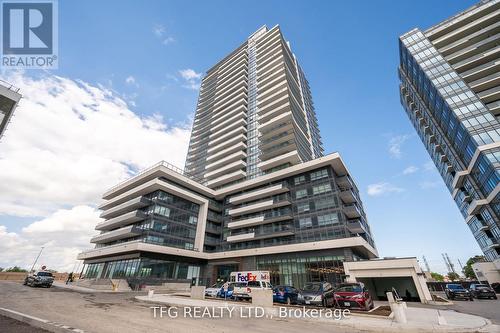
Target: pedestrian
column 70, row 278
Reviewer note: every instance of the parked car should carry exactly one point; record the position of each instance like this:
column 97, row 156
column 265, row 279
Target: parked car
column 223, row 293
column 213, row 290
column 454, row 290
column 243, row 290
column 317, row 293
column 285, row 294
column 353, row 295
column 39, row 278
column 482, row 291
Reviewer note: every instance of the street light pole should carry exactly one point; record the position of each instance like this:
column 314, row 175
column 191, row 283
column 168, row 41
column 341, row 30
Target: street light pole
column 38, row 256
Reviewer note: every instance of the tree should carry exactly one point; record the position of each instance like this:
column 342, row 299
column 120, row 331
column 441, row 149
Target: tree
column 1, row 269
column 452, row 276
column 16, row 269
column 468, row 271
column 437, row 277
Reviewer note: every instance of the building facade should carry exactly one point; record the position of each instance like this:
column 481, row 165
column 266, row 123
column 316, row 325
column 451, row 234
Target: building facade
column 9, row 97
column 257, row 193
column 254, row 114
column 450, row 89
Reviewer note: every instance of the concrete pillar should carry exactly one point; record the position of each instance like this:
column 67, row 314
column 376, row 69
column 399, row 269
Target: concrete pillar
column 198, row 292
column 262, row 297
column 398, row 308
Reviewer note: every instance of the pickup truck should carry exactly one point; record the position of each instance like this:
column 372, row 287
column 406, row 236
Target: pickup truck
column 243, row 290
column 39, row 278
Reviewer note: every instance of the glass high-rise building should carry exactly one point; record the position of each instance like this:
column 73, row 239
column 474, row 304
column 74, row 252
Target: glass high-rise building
column 254, row 115
column 257, row 193
column 450, row 89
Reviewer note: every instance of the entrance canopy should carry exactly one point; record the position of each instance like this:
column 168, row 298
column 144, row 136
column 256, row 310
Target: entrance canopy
column 381, row 275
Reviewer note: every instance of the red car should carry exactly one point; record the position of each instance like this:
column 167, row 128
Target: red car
column 353, row 295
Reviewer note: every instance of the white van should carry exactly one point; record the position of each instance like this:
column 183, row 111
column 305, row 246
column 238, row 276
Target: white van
column 243, row 290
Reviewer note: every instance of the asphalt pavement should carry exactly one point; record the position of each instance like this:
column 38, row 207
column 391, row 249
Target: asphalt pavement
column 9, row 325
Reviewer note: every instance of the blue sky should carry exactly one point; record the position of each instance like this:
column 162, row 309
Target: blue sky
column 348, row 50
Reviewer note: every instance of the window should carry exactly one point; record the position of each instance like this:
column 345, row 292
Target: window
column 160, row 210
column 328, row 219
column 303, row 207
column 193, row 220
column 328, row 202
column 322, row 188
column 301, row 193
column 319, row 174
column 188, row 246
column 299, row 180
column 305, row 222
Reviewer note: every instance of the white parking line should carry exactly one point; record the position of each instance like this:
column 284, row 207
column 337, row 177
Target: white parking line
column 39, row 322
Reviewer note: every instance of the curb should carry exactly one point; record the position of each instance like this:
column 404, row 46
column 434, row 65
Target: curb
column 392, row 327
column 39, row 322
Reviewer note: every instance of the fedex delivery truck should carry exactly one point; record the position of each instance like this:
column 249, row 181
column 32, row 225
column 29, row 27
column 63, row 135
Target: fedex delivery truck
column 250, row 276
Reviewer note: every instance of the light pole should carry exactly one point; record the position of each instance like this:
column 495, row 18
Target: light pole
column 38, row 256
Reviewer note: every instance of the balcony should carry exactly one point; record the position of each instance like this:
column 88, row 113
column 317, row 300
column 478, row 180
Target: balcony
column 476, row 206
column 279, row 201
column 227, row 151
column 347, row 196
column 356, row 227
column 345, row 182
column 240, row 238
column 352, row 211
column 259, row 220
column 121, row 220
column 125, row 232
column 290, row 157
column 226, row 160
column 246, row 222
column 282, row 122
column 227, row 178
column 256, row 194
column 228, row 168
column 126, row 207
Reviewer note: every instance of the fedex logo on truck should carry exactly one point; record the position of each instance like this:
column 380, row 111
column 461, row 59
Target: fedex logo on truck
column 250, row 276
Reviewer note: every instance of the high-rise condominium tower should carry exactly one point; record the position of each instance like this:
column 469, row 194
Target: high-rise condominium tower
column 258, row 193
column 450, row 89
column 255, row 114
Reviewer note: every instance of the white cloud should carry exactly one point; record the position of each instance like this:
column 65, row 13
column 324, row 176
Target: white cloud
column 161, row 33
column 159, row 30
column 63, row 234
column 168, row 40
column 191, row 78
column 130, row 80
column 409, row 170
column 69, row 142
column 379, row 189
column 395, row 144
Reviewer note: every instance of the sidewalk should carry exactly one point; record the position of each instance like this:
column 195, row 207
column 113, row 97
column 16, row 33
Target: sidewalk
column 419, row 319
column 69, row 286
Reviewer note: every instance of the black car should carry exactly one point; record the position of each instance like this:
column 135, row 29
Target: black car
column 482, row 291
column 41, row 278
column 454, row 290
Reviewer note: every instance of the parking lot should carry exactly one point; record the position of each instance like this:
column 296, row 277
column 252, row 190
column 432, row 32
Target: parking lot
column 120, row 312
column 482, row 307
